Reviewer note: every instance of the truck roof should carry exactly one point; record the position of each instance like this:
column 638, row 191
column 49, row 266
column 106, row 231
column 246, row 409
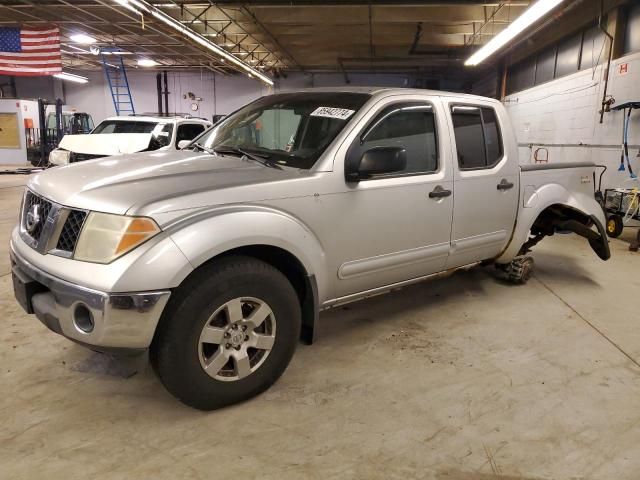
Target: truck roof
column 385, row 91
column 151, row 118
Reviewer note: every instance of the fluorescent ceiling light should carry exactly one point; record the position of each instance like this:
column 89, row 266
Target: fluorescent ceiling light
column 83, row 38
column 147, row 62
column 210, row 34
column 193, row 35
column 71, row 77
column 529, row 16
column 129, row 4
column 78, row 48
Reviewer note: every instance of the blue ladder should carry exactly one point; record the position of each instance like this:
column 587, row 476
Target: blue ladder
column 118, row 84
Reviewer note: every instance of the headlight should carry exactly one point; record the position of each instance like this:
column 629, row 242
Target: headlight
column 59, row 157
column 105, row 237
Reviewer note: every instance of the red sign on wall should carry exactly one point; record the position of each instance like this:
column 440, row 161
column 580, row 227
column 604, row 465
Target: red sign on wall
column 623, row 69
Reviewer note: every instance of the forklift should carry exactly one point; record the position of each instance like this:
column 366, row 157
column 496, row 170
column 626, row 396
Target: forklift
column 53, row 126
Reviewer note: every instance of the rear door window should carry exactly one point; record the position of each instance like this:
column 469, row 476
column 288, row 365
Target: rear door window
column 477, row 135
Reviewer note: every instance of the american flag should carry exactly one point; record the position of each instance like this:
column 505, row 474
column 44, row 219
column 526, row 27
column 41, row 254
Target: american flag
column 30, row 51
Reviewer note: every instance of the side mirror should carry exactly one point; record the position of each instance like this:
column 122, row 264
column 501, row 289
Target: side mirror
column 376, row 161
column 183, row 143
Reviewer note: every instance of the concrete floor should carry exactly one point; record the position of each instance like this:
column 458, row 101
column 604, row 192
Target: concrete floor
column 463, row 378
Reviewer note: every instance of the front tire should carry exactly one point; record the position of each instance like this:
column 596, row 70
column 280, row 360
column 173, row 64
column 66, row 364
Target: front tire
column 227, row 334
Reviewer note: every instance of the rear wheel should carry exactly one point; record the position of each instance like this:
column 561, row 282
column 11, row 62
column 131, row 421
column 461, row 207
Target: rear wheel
column 227, row 334
column 519, row 270
column 614, row 226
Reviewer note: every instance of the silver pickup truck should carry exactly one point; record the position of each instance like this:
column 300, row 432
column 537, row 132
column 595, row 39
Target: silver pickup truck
column 218, row 258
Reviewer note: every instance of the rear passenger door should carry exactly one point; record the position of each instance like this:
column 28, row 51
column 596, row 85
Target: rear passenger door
column 485, row 185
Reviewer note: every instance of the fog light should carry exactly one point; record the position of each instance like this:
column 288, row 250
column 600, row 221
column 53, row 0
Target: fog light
column 83, row 318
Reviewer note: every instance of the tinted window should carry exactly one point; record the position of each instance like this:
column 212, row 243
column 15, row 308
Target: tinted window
column 593, row 48
column 521, row 75
column 477, row 134
column 188, row 131
column 491, row 136
column 568, row 55
column 632, row 33
column 546, row 66
column 467, row 125
column 124, row 126
column 410, row 126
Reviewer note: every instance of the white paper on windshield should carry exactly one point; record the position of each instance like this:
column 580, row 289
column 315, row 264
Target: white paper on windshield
column 332, row 112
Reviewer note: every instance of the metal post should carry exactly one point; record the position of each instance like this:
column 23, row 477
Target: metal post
column 159, row 88
column 166, row 93
column 59, row 125
column 43, row 131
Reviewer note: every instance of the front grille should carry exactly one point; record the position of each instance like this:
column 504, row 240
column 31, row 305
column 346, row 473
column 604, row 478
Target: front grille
column 81, row 157
column 71, row 231
column 36, row 223
column 41, row 220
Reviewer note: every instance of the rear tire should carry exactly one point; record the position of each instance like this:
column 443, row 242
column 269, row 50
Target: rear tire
column 227, row 334
column 614, row 226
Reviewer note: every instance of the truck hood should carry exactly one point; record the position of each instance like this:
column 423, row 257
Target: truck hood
column 106, row 143
column 152, row 183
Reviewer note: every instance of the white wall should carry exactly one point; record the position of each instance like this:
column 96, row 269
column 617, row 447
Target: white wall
column 220, row 94
column 562, row 115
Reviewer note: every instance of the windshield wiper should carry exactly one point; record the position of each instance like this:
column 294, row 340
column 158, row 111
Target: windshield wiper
column 208, row 150
column 261, row 158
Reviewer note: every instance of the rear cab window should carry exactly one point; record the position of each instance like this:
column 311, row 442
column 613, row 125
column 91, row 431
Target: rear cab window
column 477, row 136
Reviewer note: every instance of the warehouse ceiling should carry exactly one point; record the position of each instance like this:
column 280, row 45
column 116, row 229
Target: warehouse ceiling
column 273, row 36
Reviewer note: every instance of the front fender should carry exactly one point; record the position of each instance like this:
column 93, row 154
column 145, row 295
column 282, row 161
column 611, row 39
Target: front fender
column 209, row 233
column 534, row 202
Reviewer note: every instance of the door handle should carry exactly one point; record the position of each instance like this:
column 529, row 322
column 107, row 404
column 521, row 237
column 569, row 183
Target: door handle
column 504, row 184
column 439, row 192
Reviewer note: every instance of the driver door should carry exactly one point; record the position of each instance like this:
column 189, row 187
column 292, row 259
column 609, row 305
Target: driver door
column 397, row 226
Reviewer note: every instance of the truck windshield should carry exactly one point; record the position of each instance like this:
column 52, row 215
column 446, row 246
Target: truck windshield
column 291, row 129
column 125, row 126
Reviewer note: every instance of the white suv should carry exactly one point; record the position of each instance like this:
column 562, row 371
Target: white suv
column 125, row 135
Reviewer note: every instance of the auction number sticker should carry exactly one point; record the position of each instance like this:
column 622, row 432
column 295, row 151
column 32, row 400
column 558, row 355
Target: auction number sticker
column 331, row 112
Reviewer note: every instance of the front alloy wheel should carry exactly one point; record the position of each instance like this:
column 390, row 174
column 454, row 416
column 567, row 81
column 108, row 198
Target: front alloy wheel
column 217, row 342
column 237, row 339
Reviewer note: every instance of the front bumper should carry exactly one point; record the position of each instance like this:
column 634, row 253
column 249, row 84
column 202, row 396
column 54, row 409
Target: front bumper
column 118, row 321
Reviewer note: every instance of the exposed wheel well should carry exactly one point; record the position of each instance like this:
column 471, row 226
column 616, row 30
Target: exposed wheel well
column 292, row 268
column 563, row 218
